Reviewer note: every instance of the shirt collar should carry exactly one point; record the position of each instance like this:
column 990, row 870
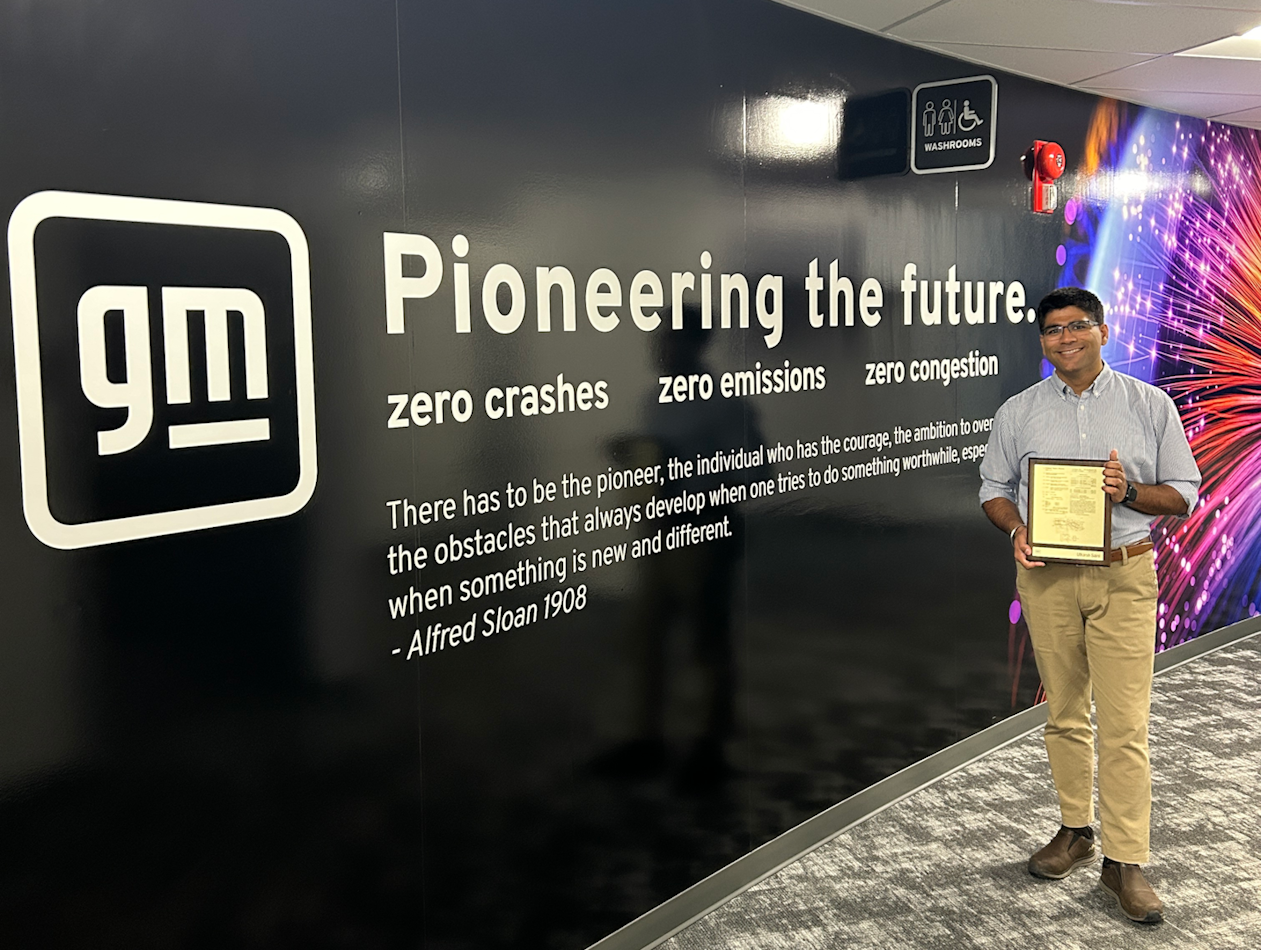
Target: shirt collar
column 1096, row 388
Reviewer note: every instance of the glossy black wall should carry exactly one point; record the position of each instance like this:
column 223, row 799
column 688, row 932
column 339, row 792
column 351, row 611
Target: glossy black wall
column 206, row 739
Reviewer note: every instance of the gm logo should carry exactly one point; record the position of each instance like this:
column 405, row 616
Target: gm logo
column 164, row 371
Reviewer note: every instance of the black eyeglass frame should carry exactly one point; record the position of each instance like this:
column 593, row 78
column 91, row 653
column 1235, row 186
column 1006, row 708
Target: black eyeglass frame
column 1077, row 326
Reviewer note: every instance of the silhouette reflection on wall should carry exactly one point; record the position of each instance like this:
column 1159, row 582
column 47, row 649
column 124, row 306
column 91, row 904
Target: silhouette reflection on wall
column 686, row 591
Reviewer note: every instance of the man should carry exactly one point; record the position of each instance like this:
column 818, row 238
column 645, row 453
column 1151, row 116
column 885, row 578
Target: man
column 1093, row 627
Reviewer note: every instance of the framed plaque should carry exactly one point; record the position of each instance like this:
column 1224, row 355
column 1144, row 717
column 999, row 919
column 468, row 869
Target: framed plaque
column 1070, row 515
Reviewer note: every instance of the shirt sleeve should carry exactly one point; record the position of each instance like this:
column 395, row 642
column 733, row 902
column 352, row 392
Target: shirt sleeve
column 1000, row 468
column 1175, row 463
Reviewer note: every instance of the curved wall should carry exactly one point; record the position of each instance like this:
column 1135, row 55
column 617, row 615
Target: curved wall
column 530, row 659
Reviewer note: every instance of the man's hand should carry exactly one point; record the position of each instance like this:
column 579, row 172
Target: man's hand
column 1022, row 551
column 1006, row 516
column 1115, row 484
column 1148, row 499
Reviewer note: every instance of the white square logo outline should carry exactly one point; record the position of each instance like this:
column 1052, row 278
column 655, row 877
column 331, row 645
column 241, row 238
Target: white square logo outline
column 26, row 217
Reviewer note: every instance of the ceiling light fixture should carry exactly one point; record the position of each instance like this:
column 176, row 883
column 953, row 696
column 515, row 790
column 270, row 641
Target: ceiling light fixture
column 1244, row 46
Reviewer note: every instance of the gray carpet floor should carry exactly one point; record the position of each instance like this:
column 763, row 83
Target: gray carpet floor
column 945, row 867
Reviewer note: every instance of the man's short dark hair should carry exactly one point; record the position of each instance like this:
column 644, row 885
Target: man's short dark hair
column 1077, row 297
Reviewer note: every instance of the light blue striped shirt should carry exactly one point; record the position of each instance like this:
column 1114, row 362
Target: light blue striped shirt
column 1049, row 420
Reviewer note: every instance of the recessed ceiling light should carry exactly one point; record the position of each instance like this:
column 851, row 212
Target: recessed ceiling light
column 1244, row 46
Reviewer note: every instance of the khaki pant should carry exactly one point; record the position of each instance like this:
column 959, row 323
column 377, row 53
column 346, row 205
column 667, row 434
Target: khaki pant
column 1096, row 627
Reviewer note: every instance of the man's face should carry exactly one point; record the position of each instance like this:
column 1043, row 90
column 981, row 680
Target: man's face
column 1070, row 351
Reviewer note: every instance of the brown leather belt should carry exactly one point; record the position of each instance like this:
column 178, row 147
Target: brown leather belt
column 1131, row 550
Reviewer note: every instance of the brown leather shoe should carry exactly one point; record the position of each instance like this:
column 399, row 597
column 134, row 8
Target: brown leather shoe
column 1135, row 896
column 1067, row 850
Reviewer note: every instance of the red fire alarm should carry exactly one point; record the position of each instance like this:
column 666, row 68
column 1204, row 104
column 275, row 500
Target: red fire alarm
column 1044, row 163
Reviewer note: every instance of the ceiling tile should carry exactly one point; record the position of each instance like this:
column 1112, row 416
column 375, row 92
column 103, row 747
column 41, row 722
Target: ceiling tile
column 1075, row 24
column 1204, row 104
column 1253, row 6
column 869, row 14
column 1248, row 117
column 1062, row 66
column 1174, row 73
column 1108, row 47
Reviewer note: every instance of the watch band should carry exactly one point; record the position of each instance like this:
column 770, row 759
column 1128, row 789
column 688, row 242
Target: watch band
column 1131, row 493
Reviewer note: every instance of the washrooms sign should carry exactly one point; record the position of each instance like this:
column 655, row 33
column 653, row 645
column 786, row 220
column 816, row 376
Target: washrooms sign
column 164, row 366
column 952, row 125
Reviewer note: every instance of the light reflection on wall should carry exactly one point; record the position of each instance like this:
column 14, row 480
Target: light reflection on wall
column 793, row 130
column 1106, row 185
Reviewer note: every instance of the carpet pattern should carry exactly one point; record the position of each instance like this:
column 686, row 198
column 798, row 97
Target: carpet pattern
column 945, row 867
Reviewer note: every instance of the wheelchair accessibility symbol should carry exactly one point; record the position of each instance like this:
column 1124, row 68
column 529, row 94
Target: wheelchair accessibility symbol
column 969, row 120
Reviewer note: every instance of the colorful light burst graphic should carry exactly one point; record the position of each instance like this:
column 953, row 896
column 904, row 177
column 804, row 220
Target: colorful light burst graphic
column 1163, row 222
column 1166, row 229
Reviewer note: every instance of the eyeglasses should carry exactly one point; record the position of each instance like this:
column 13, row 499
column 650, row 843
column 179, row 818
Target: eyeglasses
column 1077, row 326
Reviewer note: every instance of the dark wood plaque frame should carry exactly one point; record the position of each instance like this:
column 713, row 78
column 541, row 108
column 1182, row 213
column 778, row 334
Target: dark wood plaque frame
column 1104, row 552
